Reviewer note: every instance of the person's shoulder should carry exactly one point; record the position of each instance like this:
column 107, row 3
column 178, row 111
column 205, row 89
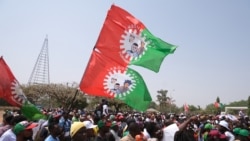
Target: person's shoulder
column 50, row 138
column 8, row 136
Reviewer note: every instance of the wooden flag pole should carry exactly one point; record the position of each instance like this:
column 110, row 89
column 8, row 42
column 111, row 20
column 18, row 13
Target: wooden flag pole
column 72, row 101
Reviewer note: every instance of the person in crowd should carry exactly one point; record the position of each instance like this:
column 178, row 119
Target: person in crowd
column 75, row 117
column 215, row 135
column 224, row 129
column 90, row 130
column 133, row 131
column 43, row 129
column 236, row 132
column 6, row 123
column 243, row 135
column 105, row 108
column 9, row 135
column 55, row 131
column 103, row 131
column 65, row 124
column 207, row 128
column 155, row 132
column 78, row 132
column 170, row 130
column 23, row 130
column 113, row 132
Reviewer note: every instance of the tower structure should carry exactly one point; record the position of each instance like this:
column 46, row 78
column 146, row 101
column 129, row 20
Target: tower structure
column 40, row 73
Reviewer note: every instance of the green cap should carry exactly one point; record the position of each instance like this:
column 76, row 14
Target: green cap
column 100, row 124
column 236, row 130
column 23, row 125
column 244, row 132
column 208, row 126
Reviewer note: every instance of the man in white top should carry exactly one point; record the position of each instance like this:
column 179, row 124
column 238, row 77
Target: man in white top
column 8, row 136
column 224, row 129
column 171, row 128
column 105, row 108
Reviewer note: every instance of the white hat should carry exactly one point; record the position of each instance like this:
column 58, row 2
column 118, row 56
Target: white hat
column 89, row 125
column 224, row 124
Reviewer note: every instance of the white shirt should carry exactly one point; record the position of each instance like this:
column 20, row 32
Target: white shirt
column 8, row 136
column 230, row 136
column 169, row 132
column 105, row 109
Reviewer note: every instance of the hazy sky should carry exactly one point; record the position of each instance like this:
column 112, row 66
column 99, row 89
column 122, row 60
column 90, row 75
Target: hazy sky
column 213, row 39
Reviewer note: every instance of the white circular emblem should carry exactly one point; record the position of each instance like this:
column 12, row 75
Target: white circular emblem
column 133, row 45
column 117, row 83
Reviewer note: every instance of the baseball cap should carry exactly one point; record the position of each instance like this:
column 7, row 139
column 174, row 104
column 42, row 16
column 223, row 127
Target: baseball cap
column 76, row 126
column 89, row 124
column 244, row 132
column 236, row 130
column 101, row 124
column 23, row 125
column 223, row 123
column 114, row 123
column 208, row 126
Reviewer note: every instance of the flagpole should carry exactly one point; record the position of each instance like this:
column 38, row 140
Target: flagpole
column 72, row 101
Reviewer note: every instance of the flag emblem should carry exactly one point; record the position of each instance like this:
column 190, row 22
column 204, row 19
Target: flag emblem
column 133, row 44
column 118, row 82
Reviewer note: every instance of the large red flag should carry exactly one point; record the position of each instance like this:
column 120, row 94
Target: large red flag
column 10, row 89
column 11, row 92
column 124, row 38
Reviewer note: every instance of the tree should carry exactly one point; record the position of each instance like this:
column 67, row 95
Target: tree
column 163, row 100
column 153, row 105
column 53, row 95
column 210, row 109
column 117, row 104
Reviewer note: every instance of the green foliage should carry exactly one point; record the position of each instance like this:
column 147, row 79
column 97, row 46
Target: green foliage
column 238, row 103
column 80, row 102
column 210, row 109
column 116, row 105
column 163, row 99
column 53, row 95
column 153, row 105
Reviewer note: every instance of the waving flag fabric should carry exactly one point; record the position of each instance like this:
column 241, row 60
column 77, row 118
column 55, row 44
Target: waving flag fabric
column 11, row 92
column 218, row 105
column 124, row 38
column 10, row 89
column 123, row 41
column 186, row 107
column 104, row 77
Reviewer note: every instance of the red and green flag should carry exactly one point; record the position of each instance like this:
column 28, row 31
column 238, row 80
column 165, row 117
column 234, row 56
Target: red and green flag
column 125, row 39
column 218, row 105
column 107, row 78
column 12, row 93
column 186, row 107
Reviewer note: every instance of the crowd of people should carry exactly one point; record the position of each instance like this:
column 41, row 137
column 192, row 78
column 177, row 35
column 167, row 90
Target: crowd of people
column 80, row 125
